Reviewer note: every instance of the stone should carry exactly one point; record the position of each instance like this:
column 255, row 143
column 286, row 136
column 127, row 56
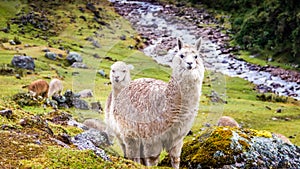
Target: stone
column 6, row 113
column 102, row 73
column 12, row 42
column 123, row 37
column 51, row 55
column 24, row 62
column 80, row 104
column 79, row 65
column 90, row 140
column 74, row 57
column 96, row 106
column 85, row 93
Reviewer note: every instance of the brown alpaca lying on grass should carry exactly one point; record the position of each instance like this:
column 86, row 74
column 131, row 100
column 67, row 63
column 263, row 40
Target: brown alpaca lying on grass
column 151, row 115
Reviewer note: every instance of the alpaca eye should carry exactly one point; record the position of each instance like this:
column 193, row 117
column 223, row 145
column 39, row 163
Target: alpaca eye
column 182, row 56
column 196, row 57
column 113, row 71
column 124, row 71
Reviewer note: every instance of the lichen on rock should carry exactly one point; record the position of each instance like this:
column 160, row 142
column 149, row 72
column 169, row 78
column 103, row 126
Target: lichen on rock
column 238, row 148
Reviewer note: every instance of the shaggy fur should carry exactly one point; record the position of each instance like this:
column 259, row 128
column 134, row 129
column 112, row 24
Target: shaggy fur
column 119, row 78
column 227, row 121
column 55, row 87
column 152, row 115
column 39, row 88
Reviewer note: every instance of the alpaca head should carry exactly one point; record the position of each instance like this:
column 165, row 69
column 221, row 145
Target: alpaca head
column 120, row 73
column 188, row 58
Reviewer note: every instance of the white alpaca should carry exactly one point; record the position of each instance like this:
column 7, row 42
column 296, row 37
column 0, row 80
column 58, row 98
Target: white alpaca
column 119, row 78
column 152, row 115
column 55, row 87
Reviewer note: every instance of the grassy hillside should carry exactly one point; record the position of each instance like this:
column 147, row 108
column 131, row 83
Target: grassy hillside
column 72, row 26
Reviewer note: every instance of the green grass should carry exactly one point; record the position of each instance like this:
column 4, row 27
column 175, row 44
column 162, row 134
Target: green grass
column 242, row 103
column 263, row 60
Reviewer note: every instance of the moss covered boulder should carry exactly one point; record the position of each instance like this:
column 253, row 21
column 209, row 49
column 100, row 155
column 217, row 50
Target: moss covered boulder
column 224, row 147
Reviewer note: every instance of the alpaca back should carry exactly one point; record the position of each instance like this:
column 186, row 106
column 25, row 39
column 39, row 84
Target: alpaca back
column 146, row 99
column 38, row 88
column 55, row 87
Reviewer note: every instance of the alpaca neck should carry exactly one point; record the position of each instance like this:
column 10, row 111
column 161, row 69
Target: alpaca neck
column 116, row 88
column 188, row 85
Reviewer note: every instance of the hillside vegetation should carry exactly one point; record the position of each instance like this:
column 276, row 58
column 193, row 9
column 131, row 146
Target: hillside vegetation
column 101, row 37
column 269, row 29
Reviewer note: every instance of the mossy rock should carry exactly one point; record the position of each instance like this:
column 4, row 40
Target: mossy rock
column 237, row 148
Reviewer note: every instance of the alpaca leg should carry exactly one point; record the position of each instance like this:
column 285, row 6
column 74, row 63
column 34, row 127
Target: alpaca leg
column 132, row 149
column 174, row 154
column 151, row 161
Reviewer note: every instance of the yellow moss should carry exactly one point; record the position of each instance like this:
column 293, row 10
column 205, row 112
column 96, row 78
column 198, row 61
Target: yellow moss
column 59, row 129
column 258, row 133
column 203, row 151
column 244, row 144
column 58, row 157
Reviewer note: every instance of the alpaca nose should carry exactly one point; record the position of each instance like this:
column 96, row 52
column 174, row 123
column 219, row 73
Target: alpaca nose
column 189, row 65
column 117, row 78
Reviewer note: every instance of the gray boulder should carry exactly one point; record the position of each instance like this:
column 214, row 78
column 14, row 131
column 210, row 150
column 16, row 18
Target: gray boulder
column 90, row 140
column 85, row 93
column 24, row 62
column 80, row 104
column 51, row 55
column 12, row 42
column 74, row 57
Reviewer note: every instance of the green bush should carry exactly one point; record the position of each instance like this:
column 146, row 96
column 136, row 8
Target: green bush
column 271, row 26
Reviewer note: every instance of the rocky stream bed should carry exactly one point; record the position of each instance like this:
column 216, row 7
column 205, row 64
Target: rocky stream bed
column 161, row 25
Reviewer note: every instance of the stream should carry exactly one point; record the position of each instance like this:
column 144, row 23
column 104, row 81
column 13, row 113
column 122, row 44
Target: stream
column 162, row 25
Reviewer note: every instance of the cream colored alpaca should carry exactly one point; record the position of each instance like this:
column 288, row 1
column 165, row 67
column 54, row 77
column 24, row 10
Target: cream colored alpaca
column 119, row 78
column 55, row 87
column 152, row 115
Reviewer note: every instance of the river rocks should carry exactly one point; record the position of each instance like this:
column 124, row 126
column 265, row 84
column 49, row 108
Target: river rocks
column 74, row 57
column 25, row 62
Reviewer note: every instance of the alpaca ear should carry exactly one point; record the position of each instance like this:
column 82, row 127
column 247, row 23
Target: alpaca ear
column 198, row 44
column 130, row 67
column 179, row 43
